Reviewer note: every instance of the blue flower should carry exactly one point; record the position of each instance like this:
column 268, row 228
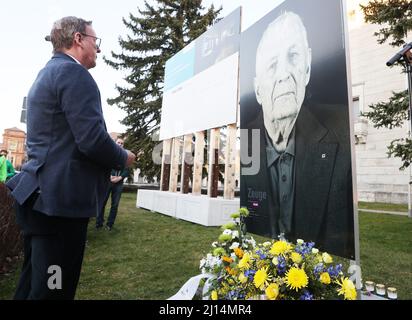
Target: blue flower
column 261, row 254
column 334, row 271
column 306, row 295
column 304, row 248
column 318, row 269
column 281, row 267
column 235, row 294
column 250, row 274
column 232, row 295
column 242, row 295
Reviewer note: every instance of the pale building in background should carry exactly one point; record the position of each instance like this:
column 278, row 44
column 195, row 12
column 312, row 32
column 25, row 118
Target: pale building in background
column 14, row 141
column 378, row 177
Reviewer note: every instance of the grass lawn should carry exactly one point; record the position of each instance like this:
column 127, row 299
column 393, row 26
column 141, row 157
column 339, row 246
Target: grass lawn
column 386, row 251
column 150, row 256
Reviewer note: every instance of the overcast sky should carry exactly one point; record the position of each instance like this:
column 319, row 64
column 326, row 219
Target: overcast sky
column 24, row 23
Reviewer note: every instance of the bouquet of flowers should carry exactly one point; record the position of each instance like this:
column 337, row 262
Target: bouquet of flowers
column 275, row 270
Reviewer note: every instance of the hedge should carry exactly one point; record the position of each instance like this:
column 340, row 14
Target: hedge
column 11, row 242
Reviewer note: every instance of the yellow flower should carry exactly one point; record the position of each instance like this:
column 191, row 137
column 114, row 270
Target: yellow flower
column 213, row 296
column 296, row 257
column 244, row 262
column 280, row 247
column 272, row 291
column 227, row 259
column 327, row 258
column 325, row 278
column 296, row 278
column 242, row 278
column 347, row 289
column 260, row 278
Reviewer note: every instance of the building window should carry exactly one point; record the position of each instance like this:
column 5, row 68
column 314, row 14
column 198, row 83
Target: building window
column 356, row 108
column 357, row 101
column 13, row 146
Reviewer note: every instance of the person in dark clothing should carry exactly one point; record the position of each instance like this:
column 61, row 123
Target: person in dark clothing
column 115, row 189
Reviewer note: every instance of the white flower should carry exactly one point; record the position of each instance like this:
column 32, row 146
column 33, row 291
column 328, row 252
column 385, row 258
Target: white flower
column 300, row 241
column 227, row 231
column 253, row 242
column 266, row 244
column 215, row 244
column 275, row 261
column 249, row 242
column 209, row 263
column 327, row 258
column 234, row 245
column 235, row 234
column 315, row 251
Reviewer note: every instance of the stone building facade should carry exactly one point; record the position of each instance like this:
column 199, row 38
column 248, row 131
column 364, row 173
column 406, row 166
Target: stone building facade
column 378, row 177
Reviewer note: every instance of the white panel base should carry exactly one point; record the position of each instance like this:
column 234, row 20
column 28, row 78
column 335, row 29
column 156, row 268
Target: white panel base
column 198, row 209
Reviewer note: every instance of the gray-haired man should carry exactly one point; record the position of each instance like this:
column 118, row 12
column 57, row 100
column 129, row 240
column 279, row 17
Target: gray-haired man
column 70, row 155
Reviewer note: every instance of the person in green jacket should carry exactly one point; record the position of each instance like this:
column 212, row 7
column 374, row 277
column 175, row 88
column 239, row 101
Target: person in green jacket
column 10, row 172
column 3, row 169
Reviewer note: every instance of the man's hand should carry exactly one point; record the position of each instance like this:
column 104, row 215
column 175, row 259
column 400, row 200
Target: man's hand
column 115, row 179
column 130, row 158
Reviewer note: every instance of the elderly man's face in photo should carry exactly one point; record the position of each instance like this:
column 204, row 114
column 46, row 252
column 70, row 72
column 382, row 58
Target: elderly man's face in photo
column 282, row 72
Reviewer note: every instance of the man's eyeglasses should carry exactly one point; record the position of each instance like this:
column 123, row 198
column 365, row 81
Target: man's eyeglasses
column 98, row 40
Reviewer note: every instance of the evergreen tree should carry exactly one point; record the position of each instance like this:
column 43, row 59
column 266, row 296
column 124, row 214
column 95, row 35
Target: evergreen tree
column 160, row 30
column 395, row 17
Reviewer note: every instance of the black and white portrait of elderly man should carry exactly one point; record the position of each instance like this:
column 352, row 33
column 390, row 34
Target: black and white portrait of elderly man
column 303, row 188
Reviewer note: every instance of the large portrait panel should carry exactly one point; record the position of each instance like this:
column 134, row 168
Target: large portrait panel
column 294, row 104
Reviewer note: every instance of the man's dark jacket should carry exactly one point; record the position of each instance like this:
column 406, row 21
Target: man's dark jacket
column 323, row 205
column 70, row 153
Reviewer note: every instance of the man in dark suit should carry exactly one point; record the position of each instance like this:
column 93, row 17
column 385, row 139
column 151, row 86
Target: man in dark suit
column 303, row 188
column 70, row 155
column 115, row 190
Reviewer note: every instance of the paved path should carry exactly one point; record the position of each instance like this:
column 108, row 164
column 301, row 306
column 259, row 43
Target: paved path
column 399, row 213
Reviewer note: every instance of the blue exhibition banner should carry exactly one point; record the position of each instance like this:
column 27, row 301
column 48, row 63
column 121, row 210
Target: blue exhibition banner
column 180, row 67
column 216, row 44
